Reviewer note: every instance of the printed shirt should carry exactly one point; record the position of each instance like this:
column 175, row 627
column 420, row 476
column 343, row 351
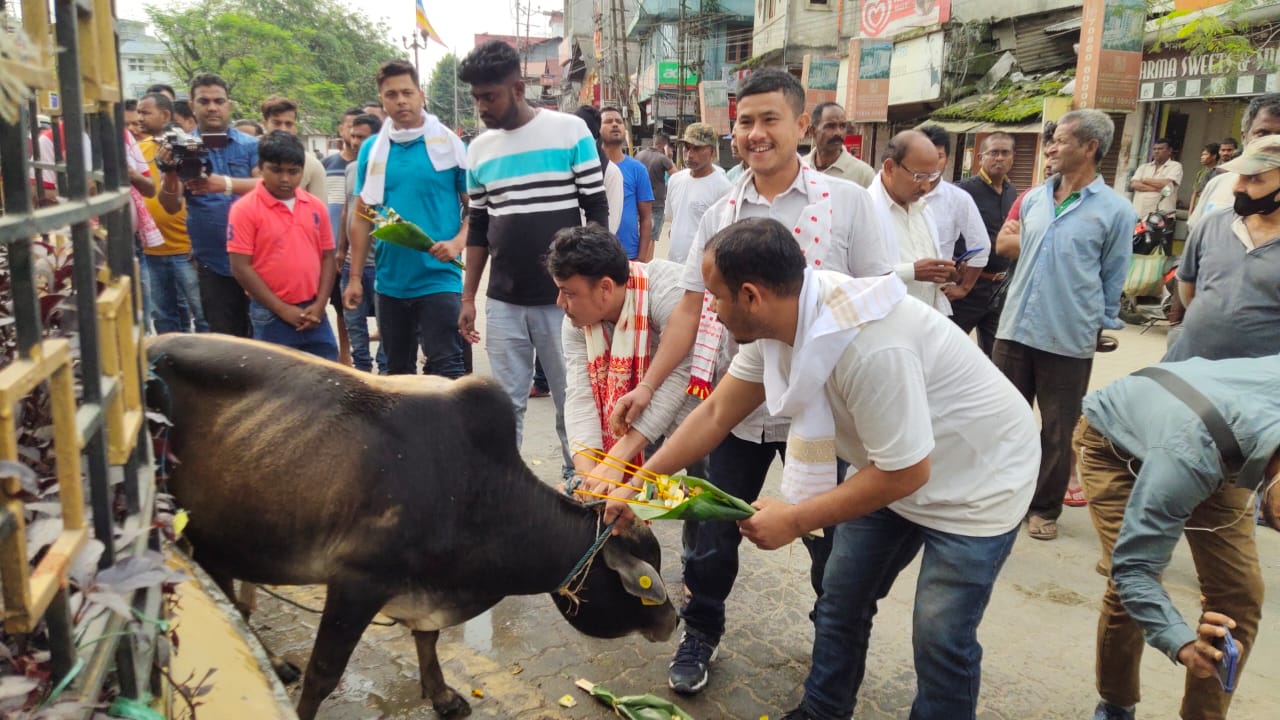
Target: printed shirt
column 286, row 245
column 1070, row 271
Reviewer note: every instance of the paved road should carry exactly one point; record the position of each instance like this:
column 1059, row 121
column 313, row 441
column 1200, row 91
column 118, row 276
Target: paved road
column 1038, row 633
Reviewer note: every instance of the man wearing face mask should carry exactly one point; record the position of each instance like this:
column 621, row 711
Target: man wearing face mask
column 1230, row 272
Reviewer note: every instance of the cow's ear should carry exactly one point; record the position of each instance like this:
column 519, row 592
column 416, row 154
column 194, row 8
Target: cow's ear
column 638, row 577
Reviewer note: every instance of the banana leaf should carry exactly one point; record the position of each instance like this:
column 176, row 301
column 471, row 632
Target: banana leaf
column 407, row 235
column 711, row 503
column 639, row 707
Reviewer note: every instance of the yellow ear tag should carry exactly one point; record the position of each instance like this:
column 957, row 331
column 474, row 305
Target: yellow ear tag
column 180, row 520
column 645, row 582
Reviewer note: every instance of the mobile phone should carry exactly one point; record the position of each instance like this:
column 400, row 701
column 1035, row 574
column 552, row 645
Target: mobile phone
column 967, row 254
column 1229, row 663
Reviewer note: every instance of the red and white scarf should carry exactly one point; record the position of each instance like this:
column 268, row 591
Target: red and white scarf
column 615, row 367
column 812, row 231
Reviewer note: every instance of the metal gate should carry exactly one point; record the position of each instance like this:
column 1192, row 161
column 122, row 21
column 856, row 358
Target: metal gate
column 100, row 438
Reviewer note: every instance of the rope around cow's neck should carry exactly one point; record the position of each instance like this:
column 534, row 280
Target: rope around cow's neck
column 580, row 569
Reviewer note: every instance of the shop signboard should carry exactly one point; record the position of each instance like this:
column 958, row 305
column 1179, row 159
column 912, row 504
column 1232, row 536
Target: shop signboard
column 917, row 70
column 819, row 78
column 713, row 98
column 886, row 18
column 1110, row 56
column 669, row 75
column 868, row 79
column 1180, row 75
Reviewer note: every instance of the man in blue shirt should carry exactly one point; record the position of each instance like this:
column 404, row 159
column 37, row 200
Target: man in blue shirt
column 1075, row 244
column 1154, row 471
column 416, row 167
column 636, row 230
column 233, row 157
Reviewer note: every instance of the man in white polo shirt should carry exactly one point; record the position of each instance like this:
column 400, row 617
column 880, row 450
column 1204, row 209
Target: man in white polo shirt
column 937, row 473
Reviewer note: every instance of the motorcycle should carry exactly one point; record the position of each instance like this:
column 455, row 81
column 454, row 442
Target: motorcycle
column 1153, row 234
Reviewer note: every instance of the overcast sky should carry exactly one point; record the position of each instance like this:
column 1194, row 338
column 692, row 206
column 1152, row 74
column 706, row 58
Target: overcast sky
column 456, row 21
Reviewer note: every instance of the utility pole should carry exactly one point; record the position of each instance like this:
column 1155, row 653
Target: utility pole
column 680, row 45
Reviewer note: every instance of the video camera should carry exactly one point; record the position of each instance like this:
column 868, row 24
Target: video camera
column 189, row 155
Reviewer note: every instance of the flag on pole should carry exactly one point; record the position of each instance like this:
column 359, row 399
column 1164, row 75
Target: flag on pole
column 424, row 26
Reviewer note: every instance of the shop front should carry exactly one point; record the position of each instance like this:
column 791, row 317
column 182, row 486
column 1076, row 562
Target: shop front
column 1196, row 99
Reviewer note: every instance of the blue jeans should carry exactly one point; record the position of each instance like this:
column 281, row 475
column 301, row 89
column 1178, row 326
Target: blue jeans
column 357, row 322
column 514, row 333
column 956, row 577
column 175, row 294
column 430, row 321
column 269, row 327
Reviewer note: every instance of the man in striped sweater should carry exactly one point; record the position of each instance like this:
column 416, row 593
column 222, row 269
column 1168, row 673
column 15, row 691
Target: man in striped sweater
column 529, row 176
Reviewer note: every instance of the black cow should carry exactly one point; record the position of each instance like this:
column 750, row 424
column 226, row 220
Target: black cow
column 400, row 494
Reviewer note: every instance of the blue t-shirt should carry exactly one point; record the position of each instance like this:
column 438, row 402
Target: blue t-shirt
column 207, row 214
column 427, row 198
column 635, row 189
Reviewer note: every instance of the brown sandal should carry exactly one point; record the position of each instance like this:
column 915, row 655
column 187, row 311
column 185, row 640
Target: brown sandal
column 1042, row 528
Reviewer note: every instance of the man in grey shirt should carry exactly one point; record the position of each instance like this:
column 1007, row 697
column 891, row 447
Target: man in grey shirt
column 1230, row 272
column 658, row 163
column 1153, row 471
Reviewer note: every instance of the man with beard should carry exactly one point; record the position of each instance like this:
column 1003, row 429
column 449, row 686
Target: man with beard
column 635, row 231
column 829, row 155
column 867, row 373
column 535, row 172
column 1230, row 272
column 1261, row 118
column 208, row 200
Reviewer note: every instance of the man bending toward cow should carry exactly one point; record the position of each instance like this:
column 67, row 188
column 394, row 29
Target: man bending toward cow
column 825, row 349
column 615, row 311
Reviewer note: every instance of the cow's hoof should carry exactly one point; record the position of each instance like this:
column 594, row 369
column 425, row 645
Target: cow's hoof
column 286, row 671
column 455, row 708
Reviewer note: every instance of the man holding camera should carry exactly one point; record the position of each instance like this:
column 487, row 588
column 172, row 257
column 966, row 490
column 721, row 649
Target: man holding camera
column 230, row 168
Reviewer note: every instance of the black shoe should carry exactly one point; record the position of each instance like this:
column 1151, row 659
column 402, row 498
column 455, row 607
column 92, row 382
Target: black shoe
column 798, row 714
column 687, row 674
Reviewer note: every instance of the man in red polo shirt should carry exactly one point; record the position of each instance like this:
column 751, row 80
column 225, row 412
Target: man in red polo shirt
column 281, row 248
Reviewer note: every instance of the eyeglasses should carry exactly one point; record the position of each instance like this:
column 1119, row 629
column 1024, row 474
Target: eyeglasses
column 922, row 177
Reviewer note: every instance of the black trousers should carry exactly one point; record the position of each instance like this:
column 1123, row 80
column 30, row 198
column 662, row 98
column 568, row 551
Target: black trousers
column 1057, row 384
column 979, row 309
column 226, row 306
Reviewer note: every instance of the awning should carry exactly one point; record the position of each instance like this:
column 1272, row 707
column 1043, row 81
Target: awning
column 1031, row 127
column 959, row 127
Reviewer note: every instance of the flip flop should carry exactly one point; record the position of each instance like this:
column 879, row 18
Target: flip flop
column 1042, row 528
column 1075, row 498
column 1106, row 343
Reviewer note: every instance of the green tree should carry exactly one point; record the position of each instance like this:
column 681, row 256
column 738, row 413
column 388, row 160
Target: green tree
column 448, row 98
column 317, row 52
